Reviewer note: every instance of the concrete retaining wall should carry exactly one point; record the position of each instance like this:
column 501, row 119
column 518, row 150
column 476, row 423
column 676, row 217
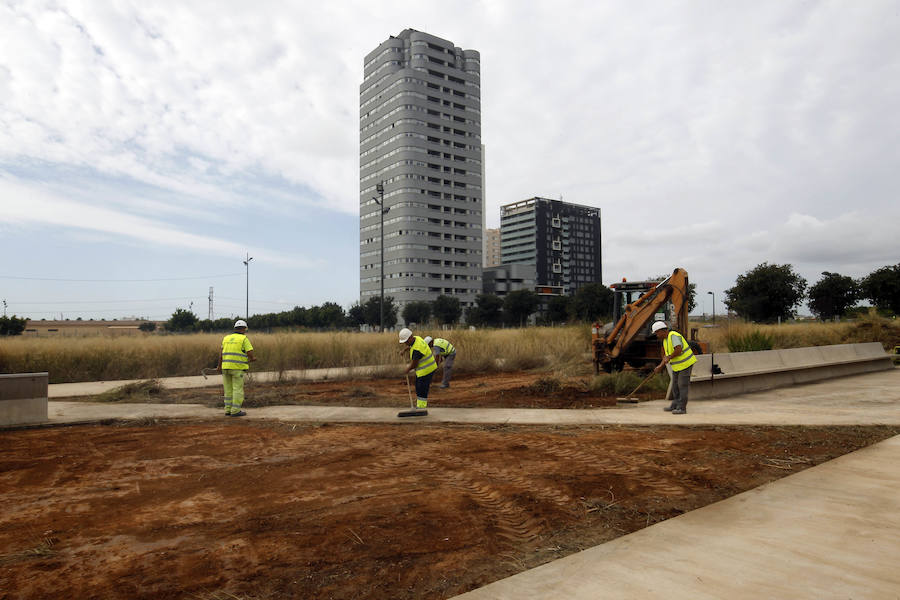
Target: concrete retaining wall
column 744, row 372
column 23, row 398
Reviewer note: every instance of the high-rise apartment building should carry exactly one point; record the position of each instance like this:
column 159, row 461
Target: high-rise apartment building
column 420, row 146
column 492, row 255
column 560, row 239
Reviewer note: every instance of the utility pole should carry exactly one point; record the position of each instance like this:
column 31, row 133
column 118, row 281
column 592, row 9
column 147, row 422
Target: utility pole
column 247, row 307
column 379, row 187
column 210, row 303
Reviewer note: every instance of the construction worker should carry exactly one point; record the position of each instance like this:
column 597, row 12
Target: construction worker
column 444, row 353
column 234, row 362
column 422, row 361
column 678, row 355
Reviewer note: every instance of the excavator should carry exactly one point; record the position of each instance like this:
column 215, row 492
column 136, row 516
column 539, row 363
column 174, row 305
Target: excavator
column 637, row 304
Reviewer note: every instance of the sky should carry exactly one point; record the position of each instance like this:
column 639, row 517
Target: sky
column 148, row 148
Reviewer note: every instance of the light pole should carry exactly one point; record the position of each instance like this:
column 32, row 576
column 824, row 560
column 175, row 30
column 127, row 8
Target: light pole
column 247, row 306
column 379, row 187
column 714, row 306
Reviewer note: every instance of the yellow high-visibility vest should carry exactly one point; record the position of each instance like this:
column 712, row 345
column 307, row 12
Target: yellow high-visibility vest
column 683, row 360
column 426, row 363
column 444, row 345
column 234, row 351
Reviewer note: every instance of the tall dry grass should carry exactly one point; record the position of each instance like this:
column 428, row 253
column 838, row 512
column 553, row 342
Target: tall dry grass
column 152, row 357
column 561, row 351
column 734, row 336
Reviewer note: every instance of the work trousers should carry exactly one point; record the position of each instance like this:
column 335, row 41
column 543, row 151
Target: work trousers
column 422, row 385
column 681, row 383
column 448, row 368
column 233, row 382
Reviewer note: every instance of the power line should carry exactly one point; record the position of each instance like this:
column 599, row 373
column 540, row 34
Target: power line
column 120, row 280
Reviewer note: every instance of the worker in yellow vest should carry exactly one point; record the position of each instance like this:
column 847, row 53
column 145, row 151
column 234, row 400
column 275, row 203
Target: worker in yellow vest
column 422, row 361
column 234, row 362
column 678, row 355
column 444, row 353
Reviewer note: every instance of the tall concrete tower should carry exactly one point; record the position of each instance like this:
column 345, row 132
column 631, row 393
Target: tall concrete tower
column 420, row 148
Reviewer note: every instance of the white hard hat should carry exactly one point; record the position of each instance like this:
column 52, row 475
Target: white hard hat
column 240, row 323
column 658, row 325
column 404, row 335
column 428, row 339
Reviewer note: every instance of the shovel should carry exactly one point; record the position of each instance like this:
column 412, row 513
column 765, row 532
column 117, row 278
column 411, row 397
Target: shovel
column 630, row 398
column 413, row 411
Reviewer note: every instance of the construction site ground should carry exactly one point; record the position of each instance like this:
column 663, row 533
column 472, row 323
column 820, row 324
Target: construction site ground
column 171, row 499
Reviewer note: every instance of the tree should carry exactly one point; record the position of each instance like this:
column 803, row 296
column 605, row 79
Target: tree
column 372, row 311
column 882, row 288
column 182, row 320
column 147, row 326
column 12, row 325
column 519, row 305
column 487, row 311
column 766, row 293
column 417, row 312
column 833, row 295
column 356, row 315
column 592, row 301
column 446, row 309
column 558, row 309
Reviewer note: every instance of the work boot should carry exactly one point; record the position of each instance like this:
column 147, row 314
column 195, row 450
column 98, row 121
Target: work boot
column 238, row 414
column 669, row 408
column 679, row 411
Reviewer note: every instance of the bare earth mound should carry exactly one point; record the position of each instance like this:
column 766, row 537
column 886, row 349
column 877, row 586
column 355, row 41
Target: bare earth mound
column 233, row 509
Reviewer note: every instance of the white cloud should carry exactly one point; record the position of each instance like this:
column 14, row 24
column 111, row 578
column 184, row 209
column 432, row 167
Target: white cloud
column 713, row 136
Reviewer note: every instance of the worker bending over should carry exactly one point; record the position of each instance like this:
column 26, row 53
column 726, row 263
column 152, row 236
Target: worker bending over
column 678, row 354
column 422, row 361
column 444, row 353
column 234, row 362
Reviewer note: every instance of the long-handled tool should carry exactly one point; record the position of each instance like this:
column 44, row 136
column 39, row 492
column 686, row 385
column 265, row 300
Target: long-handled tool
column 630, row 397
column 413, row 411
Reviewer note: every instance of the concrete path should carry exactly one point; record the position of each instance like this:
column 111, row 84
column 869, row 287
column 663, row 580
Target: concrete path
column 869, row 399
column 831, row 531
column 92, row 388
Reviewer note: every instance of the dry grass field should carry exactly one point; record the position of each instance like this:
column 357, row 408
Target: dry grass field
column 103, row 352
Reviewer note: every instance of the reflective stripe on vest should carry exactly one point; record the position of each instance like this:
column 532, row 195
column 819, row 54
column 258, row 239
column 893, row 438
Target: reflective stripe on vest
column 233, row 355
column 444, row 345
column 683, row 360
column 426, row 363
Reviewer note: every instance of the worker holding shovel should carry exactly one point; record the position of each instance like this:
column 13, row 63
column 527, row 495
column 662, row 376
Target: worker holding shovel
column 421, row 360
column 676, row 352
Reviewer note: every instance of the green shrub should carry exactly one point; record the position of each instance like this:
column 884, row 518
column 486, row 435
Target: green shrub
column 749, row 342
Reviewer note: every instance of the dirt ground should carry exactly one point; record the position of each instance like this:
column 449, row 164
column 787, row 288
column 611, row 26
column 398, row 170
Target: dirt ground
column 265, row 510
column 492, row 390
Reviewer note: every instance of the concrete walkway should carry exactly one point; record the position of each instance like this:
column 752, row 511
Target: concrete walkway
column 870, row 399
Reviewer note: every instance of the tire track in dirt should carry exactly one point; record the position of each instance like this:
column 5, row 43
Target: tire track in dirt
column 513, row 524
column 636, row 468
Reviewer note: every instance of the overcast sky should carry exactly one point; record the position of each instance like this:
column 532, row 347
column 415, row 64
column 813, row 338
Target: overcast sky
column 147, row 147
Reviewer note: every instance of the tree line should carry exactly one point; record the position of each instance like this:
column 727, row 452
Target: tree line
column 766, row 293
column 771, row 292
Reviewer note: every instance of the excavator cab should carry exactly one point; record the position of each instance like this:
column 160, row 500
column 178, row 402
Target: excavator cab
column 636, row 305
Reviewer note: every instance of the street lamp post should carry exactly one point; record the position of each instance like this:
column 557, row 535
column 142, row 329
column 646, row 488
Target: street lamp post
column 714, row 306
column 247, row 306
column 379, row 187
